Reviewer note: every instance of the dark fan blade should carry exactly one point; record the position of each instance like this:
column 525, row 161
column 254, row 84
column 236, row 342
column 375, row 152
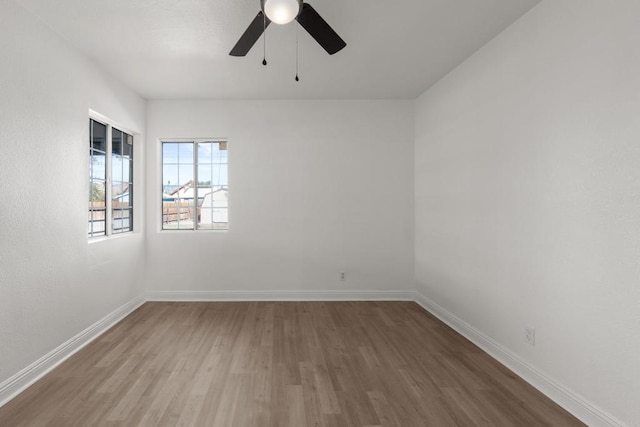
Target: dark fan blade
column 251, row 35
column 320, row 30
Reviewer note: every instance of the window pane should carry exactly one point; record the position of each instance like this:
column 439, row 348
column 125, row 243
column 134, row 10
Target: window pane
column 120, row 195
column 213, row 212
column 127, row 148
column 177, row 214
column 97, row 194
column 204, row 175
column 96, row 222
column 122, row 221
column 169, row 178
column 116, row 141
column 97, row 167
column 121, row 170
column 116, row 168
column 169, row 153
column 97, row 178
column 98, row 136
column 219, row 153
column 178, row 202
column 212, row 191
column 117, row 226
column 97, row 203
column 97, row 228
column 185, row 175
column 219, row 175
column 126, row 222
column 127, row 169
column 185, row 152
column 204, row 152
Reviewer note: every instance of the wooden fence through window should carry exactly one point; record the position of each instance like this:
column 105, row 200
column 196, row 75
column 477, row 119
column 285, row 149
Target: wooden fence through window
column 174, row 211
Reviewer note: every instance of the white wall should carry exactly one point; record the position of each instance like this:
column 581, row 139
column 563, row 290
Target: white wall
column 527, row 195
column 316, row 188
column 53, row 283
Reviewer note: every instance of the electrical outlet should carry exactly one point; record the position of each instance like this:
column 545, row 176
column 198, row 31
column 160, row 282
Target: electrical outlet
column 530, row 335
column 343, row 276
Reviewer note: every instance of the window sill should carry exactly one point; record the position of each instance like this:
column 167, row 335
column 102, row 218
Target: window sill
column 191, row 231
column 92, row 240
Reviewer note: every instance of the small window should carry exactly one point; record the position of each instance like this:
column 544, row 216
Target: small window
column 121, row 182
column 110, row 180
column 194, row 185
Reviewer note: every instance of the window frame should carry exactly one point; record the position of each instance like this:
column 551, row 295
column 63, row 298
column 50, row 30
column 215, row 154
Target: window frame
column 131, row 188
column 103, row 179
column 194, row 142
column 109, row 226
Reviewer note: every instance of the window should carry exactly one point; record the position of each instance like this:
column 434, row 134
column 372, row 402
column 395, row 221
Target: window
column 194, row 185
column 121, row 182
column 110, row 180
column 97, row 178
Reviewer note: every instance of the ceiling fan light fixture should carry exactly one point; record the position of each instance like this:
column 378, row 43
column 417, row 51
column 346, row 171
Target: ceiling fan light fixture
column 281, row 11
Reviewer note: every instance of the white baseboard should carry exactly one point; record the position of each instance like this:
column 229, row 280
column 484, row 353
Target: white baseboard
column 17, row 383
column 574, row 403
column 280, row 295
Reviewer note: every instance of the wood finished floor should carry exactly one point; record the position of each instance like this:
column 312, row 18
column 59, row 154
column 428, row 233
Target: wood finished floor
column 282, row 364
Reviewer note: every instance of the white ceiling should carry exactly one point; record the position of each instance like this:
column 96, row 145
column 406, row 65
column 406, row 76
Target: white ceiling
column 179, row 48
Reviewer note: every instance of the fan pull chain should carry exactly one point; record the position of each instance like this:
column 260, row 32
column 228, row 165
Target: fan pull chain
column 297, row 50
column 264, row 38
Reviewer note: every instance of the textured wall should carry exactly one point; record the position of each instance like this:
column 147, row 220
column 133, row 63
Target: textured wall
column 528, row 195
column 53, row 284
column 316, row 188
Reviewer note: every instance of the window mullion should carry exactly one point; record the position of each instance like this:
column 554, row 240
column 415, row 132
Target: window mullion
column 195, row 185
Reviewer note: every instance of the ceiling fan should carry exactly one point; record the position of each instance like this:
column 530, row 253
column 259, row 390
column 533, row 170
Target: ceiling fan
column 282, row 12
